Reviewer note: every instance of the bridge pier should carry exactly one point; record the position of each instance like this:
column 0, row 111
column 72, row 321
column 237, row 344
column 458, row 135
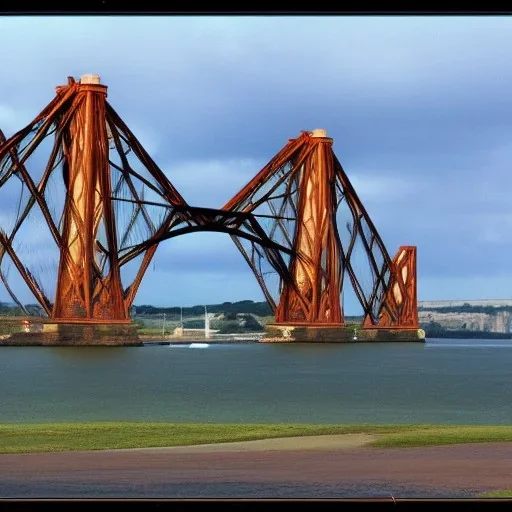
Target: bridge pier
column 48, row 332
column 287, row 333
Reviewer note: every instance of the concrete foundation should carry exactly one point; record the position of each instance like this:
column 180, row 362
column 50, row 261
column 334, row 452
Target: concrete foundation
column 48, row 333
column 285, row 333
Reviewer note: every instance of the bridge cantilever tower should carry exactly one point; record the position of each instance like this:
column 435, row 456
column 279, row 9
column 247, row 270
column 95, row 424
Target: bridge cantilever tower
column 312, row 207
column 87, row 198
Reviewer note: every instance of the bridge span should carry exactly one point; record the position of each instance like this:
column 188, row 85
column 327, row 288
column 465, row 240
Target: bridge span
column 298, row 223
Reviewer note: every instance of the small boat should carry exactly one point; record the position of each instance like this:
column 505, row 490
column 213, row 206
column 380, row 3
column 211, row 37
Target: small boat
column 355, row 335
column 198, row 345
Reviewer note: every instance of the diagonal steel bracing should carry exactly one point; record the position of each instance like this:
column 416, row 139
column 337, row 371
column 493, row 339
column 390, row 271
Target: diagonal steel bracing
column 299, row 223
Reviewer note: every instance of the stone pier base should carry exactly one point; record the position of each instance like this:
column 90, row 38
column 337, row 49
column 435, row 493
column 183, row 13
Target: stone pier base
column 287, row 333
column 48, row 333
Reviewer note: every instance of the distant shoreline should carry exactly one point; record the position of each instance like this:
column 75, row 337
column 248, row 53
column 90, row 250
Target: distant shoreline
column 468, row 335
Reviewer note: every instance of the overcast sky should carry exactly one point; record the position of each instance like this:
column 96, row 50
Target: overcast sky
column 420, row 110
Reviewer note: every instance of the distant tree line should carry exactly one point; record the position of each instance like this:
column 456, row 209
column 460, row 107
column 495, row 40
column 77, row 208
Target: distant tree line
column 436, row 330
column 468, row 308
column 230, row 309
column 4, row 308
column 7, row 309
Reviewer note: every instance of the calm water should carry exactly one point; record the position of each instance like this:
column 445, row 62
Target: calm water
column 442, row 381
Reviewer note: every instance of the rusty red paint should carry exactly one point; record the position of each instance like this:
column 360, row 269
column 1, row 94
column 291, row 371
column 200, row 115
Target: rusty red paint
column 287, row 218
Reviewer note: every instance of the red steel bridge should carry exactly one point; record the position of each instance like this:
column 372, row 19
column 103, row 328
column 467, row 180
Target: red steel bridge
column 86, row 200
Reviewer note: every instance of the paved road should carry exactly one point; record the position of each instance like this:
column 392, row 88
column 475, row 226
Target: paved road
column 339, row 467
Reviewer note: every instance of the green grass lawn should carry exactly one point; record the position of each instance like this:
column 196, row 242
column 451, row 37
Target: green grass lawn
column 53, row 437
column 502, row 493
column 439, row 435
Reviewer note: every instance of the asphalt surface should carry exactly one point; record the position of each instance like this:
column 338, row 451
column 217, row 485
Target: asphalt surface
column 317, row 467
